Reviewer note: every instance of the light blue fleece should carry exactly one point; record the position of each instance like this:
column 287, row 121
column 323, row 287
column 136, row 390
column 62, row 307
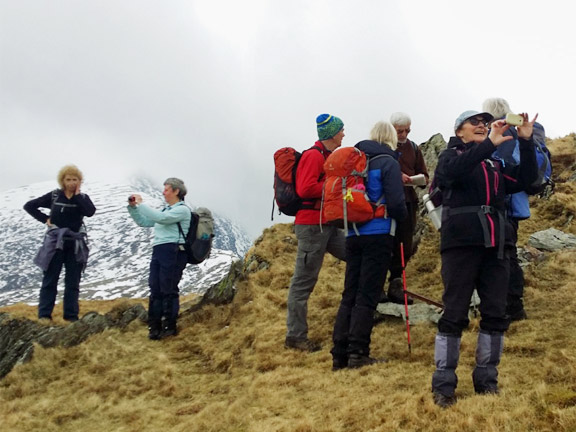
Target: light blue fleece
column 165, row 222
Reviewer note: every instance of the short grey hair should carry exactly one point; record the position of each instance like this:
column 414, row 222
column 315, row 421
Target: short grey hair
column 498, row 107
column 400, row 119
column 384, row 133
column 176, row 183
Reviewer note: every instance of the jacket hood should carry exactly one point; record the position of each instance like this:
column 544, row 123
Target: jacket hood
column 373, row 148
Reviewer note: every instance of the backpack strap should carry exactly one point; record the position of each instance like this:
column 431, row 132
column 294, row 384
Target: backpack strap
column 181, row 231
column 311, row 204
column 53, row 199
column 370, row 159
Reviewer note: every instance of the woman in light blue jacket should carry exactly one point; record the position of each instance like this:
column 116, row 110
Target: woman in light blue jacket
column 168, row 255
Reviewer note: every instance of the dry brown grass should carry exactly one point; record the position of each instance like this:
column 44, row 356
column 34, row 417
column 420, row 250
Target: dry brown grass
column 228, row 369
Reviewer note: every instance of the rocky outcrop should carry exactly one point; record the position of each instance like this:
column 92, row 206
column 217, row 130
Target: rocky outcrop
column 552, row 240
column 18, row 336
column 224, row 291
column 430, row 151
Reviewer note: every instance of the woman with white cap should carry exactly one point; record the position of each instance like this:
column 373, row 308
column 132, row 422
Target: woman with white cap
column 474, row 245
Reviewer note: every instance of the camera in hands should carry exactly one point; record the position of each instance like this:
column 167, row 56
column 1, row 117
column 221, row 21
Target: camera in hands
column 514, row 119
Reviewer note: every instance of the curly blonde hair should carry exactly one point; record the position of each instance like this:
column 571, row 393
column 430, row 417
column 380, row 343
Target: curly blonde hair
column 71, row 170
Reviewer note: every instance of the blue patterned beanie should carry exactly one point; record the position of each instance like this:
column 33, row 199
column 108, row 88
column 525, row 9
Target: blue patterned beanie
column 328, row 126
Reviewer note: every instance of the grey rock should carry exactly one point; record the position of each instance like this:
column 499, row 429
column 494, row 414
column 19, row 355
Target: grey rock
column 528, row 254
column 552, row 240
column 430, row 151
column 418, row 313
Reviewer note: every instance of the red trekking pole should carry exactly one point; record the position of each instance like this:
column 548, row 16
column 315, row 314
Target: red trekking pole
column 405, row 298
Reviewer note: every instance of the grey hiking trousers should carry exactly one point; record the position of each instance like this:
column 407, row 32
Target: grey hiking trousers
column 312, row 245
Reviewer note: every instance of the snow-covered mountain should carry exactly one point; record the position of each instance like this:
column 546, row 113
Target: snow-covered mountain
column 119, row 249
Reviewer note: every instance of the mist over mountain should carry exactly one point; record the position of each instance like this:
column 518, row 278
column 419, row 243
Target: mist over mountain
column 119, row 249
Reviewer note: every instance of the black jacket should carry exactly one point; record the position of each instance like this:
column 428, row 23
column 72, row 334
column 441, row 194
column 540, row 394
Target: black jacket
column 64, row 212
column 474, row 186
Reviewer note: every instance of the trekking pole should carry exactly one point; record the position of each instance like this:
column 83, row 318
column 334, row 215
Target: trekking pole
column 405, row 298
column 425, row 299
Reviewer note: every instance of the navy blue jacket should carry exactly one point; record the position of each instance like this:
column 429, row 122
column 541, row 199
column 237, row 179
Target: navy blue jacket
column 384, row 179
column 64, row 212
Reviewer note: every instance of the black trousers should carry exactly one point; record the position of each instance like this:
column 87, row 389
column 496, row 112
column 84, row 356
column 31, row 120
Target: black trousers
column 516, row 284
column 464, row 269
column 367, row 262
column 166, row 268
column 62, row 258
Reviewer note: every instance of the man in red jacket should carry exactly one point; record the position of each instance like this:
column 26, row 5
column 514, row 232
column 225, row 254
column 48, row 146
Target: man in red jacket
column 313, row 243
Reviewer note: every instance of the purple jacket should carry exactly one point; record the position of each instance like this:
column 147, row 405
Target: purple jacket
column 54, row 240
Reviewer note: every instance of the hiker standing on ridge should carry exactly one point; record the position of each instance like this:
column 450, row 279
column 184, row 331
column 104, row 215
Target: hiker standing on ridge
column 64, row 242
column 518, row 207
column 475, row 243
column 313, row 242
column 411, row 164
column 369, row 252
column 168, row 255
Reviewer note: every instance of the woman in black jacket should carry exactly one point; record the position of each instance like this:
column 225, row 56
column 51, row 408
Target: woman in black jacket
column 68, row 206
column 475, row 244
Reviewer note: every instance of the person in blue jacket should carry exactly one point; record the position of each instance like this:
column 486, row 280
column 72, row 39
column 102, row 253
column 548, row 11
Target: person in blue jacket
column 168, row 255
column 369, row 252
column 64, row 243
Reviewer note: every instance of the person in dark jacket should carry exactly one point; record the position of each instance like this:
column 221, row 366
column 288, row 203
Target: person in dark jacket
column 313, row 241
column 475, row 245
column 68, row 206
column 368, row 252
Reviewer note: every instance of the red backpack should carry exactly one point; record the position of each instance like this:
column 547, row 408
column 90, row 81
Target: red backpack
column 285, row 164
column 344, row 198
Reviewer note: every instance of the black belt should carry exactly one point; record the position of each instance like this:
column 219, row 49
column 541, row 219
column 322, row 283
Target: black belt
column 482, row 211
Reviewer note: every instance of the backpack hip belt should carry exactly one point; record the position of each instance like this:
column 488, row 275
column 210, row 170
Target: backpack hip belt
column 482, row 211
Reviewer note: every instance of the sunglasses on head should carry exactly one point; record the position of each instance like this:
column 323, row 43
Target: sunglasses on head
column 475, row 121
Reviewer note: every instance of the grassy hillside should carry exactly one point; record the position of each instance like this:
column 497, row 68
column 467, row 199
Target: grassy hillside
column 228, row 369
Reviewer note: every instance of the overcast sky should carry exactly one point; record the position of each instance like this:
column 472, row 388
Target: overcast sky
column 207, row 90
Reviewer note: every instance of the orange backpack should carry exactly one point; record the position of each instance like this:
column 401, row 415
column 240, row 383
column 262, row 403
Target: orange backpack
column 344, row 198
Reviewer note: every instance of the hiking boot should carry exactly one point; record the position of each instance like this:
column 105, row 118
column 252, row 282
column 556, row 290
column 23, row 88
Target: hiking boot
column 339, row 363
column 383, row 297
column 488, row 391
column 302, row 344
column 444, row 401
column 155, row 330
column 154, row 333
column 518, row 316
column 359, row 360
column 396, row 292
column 170, row 329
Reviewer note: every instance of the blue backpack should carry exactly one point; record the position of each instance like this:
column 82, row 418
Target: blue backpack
column 518, row 203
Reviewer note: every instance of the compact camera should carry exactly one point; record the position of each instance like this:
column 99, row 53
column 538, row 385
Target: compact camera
column 131, row 198
column 514, row 119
